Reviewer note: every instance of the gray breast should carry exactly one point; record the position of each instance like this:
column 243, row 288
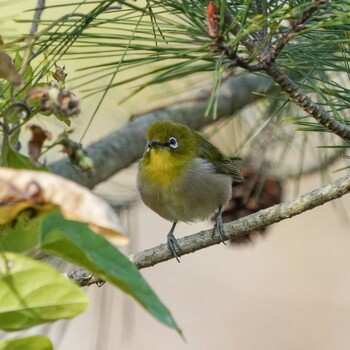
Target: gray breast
column 192, row 197
column 204, row 189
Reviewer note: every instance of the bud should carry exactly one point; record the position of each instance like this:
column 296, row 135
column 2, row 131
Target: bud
column 57, row 100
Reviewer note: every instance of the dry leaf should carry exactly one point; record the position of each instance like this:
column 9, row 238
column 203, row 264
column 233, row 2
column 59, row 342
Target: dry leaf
column 23, row 189
column 59, row 75
column 35, row 144
column 8, row 70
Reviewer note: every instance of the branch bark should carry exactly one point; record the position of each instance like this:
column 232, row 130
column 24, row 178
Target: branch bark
column 238, row 228
column 124, row 146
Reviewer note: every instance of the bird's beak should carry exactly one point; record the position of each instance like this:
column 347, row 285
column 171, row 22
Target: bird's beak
column 154, row 143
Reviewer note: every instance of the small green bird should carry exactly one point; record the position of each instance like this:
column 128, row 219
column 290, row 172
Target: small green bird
column 183, row 177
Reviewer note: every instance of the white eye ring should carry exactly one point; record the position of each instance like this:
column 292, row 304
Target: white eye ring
column 172, row 142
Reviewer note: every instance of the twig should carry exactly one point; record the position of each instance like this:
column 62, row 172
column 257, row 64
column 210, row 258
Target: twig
column 262, row 10
column 235, row 28
column 269, row 65
column 84, row 278
column 238, row 228
column 303, row 101
column 6, row 128
column 37, row 15
column 19, row 106
column 32, row 34
column 296, row 25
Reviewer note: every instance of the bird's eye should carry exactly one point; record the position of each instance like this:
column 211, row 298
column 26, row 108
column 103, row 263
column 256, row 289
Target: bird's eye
column 173, row 143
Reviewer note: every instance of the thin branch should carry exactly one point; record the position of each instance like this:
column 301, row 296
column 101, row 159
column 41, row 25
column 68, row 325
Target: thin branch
column 37, row 15
column 84, row 278
column 282, row 79
column 109, row 154
column 303, row 101
column 262, row 10
column 241, row 227
column 296, row 25
column 235, row 229
column 235, row 28
column 32, row 34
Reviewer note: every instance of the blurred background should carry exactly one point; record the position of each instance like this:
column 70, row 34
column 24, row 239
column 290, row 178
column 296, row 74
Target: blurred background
column 286, row 289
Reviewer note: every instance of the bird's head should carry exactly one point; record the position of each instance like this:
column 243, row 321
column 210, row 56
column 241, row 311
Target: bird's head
column 175, row 139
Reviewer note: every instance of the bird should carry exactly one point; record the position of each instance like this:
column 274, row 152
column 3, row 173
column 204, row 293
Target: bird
column 183, row 177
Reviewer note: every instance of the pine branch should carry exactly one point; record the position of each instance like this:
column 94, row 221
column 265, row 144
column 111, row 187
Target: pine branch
column 238, row 228
column 295, row 26
column 298, row 96
column 267, row 63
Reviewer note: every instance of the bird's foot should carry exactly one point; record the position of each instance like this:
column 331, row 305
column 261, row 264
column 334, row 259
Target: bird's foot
column 219, row 228
column 173, row 245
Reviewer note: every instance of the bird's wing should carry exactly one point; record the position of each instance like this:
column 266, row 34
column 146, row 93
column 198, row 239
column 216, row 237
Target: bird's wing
column 221, row 163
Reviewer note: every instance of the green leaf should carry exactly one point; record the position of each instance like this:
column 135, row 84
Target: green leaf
column 23, row 234
column 19, row 161
column 37, row 342
column 33, row 293
column 63, row 118
column 18, row 61
column 75, row 242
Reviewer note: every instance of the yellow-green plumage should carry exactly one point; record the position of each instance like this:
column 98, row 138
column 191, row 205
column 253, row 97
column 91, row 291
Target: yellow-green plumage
column 182, row 176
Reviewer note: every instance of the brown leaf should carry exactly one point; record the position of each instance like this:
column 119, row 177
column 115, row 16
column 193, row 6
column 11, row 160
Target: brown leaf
column 8, row 70
column 42, row 191
column 35, row 144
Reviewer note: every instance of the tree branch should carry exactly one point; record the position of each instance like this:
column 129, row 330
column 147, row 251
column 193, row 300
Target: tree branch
column 124, row 146
column 267, row 62
column 237, row 228
column 303, row 101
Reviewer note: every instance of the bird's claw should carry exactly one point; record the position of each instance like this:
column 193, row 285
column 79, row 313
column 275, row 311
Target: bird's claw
column 173, row 245
column 219, row 227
